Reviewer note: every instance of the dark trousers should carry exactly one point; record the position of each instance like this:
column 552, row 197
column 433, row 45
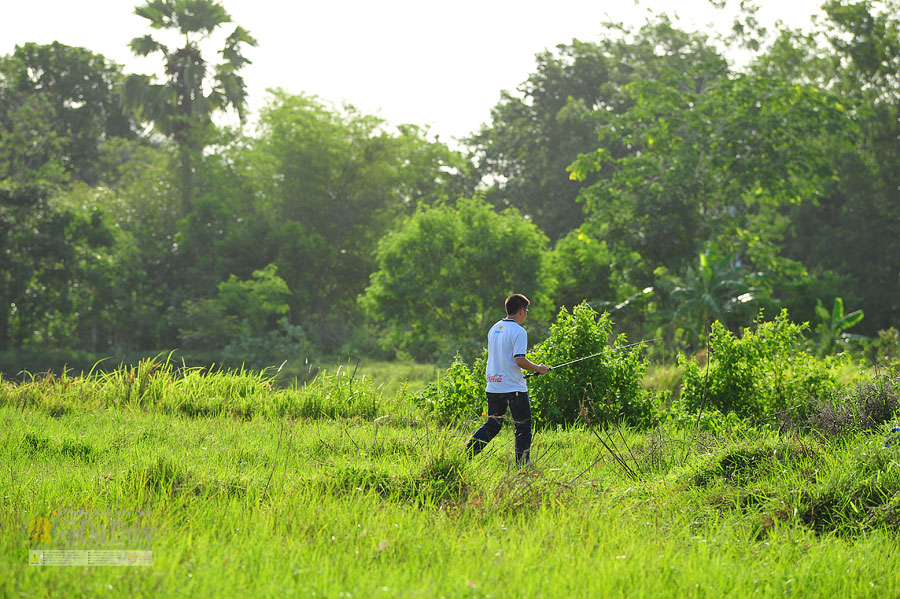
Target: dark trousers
column 520, row 410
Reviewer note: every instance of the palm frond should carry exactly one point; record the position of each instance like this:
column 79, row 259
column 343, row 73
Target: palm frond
column 142, row 46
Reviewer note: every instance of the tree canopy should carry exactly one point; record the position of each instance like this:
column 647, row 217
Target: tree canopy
column 641, row 172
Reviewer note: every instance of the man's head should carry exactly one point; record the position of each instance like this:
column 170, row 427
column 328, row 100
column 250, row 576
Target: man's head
column 515, row 303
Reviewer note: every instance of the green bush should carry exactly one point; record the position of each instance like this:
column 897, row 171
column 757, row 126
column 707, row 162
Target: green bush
column 609, row 384
column 458, row 393
column 247, row 320
column 428, row 264
column 759, row 374
column 260, row 349
column 884, row 351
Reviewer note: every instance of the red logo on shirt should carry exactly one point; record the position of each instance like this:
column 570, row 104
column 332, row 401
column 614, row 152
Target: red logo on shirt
column 495, row 378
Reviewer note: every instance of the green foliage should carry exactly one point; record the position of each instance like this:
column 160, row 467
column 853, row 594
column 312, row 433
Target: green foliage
column 719, row 161
column 706, row 164
column 832, row 325
column 535, row 133
column 551, row 118
column 870, row 38
column 260, row 302
column 459, row 392
column 266, row 348
column 584, row 269
column 710, row 422
column 858, row 61
column 247, row 319
column 608, row 385
column 183, row 102
column 716, row 289
column 443, row 275
column 325, row 185
column 31, row 150
column 759, row 374
column 80, row 90
column 112, row 240
column 886, row 349
column 53, row 256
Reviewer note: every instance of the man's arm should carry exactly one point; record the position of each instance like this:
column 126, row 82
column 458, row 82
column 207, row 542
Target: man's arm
column 526, row 364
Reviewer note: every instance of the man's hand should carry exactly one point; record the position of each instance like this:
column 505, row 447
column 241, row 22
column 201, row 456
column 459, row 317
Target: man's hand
column 526, row 364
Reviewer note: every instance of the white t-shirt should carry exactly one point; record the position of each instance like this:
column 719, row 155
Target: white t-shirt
column 507, row 340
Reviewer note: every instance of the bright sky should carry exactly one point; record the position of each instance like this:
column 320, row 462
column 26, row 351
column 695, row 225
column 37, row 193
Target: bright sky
column 410, row 61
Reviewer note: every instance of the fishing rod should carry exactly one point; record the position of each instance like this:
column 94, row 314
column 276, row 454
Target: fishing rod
column 530, row 374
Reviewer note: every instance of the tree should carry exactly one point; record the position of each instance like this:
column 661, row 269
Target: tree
column 147, row 274
column 443, row 275
column 853, row 54
column 54, row 269
column 584, row 269
column 30, row 227
column 723, row 164
column 43, row 245
column 324, row 186
column 537, row 131
column 181, row 108
column 31, row 152
column 82, row 89
column 260, row 302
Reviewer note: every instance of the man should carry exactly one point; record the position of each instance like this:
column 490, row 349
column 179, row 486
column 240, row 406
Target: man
column 506, row 387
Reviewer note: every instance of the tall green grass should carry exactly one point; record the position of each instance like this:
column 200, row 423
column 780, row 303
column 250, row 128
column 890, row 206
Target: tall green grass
column 161, row 386
column 392, row 378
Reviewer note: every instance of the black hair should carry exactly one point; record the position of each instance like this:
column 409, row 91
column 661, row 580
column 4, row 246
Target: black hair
column 516, row 302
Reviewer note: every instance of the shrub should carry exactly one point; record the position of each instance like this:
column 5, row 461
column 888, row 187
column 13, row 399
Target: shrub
column 885, row 350
column 459, row 393
column 866, row 406
column 711, row 421
column 761, row 373
column 609, row 382
column 260, row 349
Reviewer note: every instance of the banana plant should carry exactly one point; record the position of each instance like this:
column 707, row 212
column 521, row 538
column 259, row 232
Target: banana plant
column 713, row 289
column 832, row 325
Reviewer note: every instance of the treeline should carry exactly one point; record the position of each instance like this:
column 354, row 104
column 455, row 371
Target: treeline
column 639, row 172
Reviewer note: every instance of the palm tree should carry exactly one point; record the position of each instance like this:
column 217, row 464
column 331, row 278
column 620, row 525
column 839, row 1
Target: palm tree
column 181, row 108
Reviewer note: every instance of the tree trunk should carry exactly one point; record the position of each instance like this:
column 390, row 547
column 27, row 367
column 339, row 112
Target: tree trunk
column 187, row 181
column 4, row 327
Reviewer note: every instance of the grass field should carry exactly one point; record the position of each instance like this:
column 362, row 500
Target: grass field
column 337, row 489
